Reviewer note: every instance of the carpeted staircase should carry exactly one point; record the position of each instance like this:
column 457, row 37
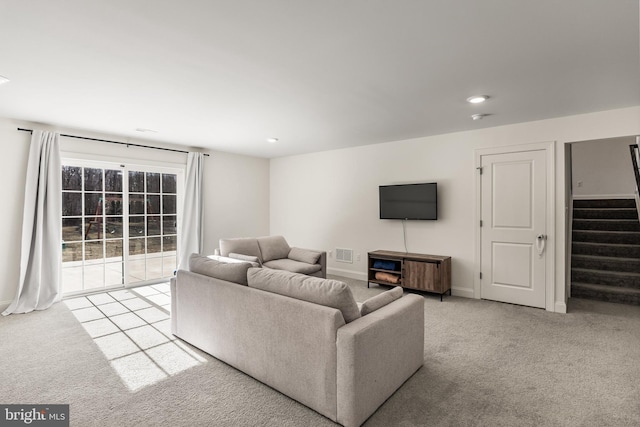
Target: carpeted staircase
column 605, row 255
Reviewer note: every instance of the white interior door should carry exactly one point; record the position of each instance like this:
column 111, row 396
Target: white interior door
column 513, row 232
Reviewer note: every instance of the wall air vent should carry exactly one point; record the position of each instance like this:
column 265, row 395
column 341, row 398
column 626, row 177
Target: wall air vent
column 344, row 255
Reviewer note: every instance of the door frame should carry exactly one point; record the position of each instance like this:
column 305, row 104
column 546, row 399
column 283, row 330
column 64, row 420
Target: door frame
column 550, row 258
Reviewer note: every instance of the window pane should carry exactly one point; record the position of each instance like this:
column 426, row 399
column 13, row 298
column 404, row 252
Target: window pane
column 136, row 204
column 71, row 252
column 169, row 243
column 93, row 276
column 71, row 178
column 169, row 183
column 113, row 227
column 114, row 250
column 71, row 229
column 113, row 274
column 113, row 204
column 153, row 205
column 136, row 182
column 136, row 246
column 92, row 179
column 169, row 224
column 113, row 180
column 136, row 226
column 93, row 250
column 154, row 268
column 93, row 229
column 168, row 266
column 92, row 204
column 153, row 226
column 169, row 204
column 71, row 204
column 153, row 182
column 154, row 245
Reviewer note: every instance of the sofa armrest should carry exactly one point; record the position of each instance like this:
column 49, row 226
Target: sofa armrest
column 377, row 353
column 174, row 313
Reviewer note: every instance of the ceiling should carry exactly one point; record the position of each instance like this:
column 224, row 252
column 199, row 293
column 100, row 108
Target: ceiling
column 317, row 75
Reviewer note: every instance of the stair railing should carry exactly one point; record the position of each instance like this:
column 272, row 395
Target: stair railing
column 635, row 159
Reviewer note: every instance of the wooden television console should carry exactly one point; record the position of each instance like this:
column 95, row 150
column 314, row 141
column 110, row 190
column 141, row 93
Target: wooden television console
column 429, row 273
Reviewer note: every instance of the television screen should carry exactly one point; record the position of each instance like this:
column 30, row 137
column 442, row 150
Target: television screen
column 409, row 201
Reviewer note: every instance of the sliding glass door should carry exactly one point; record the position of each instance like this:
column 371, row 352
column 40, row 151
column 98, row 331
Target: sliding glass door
column 119, row 224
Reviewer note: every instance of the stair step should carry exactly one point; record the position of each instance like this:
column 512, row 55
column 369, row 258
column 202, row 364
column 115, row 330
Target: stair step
column 628, row 265
column 608, row 278
column 605, row 293
column 606, row 224
column 610, row 213
column 606, row 249
column 598, row 236
column 604, row 203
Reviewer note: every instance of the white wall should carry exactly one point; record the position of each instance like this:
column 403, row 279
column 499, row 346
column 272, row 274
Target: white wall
column 603, row 168
column 236, row 189
column 329, row 200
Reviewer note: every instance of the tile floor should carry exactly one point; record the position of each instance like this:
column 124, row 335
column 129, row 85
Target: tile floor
column 132, row 329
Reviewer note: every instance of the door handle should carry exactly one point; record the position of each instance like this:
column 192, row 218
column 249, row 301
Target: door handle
column 541, row 243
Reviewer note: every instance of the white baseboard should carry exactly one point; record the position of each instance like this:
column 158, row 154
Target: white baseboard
column 561, row 307
column 604, row 196
column 347, row 273
column 462, row 292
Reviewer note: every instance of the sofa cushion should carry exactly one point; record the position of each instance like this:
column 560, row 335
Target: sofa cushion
column 327, row 292
column 243, row 245
column 229, row 260
column 380, row 300
column 273, row 247
column 287, row 264
column 304, row 255
column 235, row 272
column 248, row 258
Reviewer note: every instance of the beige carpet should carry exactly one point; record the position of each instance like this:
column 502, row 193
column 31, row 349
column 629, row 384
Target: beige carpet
column 486, row 364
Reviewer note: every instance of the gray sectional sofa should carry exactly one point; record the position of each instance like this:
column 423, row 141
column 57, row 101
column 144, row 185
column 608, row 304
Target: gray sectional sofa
column 274, row 252
column 303, row 336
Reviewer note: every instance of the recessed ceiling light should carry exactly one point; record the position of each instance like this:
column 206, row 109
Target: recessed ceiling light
column 3, row 80
column 477, row 99
column 272, row 140
column 479, row 116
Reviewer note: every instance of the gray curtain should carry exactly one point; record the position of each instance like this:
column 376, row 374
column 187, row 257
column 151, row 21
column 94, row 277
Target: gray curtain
column 191, row 237
column 41, row 251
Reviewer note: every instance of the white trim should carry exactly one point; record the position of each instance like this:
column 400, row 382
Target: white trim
column 549, row 148
column 347, row 273
column 560, row 307
column 603, row 196
column 462, row 292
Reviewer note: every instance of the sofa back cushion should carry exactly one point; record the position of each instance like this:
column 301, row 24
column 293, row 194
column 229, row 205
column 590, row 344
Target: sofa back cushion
column 273, row 247
column 235, row 272
column 330, row 293
column 304, row 255
column 243, row 245
column 380, row 300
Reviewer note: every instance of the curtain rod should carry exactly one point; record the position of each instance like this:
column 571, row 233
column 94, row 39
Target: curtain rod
column 128, row 144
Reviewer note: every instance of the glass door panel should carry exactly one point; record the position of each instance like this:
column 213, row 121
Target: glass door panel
column 119, row 226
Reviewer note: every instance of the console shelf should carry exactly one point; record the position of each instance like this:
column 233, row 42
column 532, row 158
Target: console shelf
column 428, row 273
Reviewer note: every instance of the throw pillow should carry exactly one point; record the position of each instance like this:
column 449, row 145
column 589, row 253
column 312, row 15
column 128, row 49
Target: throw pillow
column 304, row 255
column 273, row 247
column 380, row 300
column 327, row 292
column 248, row 258
column 241, row 245
column 235, row 272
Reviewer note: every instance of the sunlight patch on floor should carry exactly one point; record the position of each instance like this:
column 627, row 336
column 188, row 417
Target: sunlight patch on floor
column 132, row 328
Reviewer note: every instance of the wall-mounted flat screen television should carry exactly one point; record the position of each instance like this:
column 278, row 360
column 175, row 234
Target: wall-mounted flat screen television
column 409, row 201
